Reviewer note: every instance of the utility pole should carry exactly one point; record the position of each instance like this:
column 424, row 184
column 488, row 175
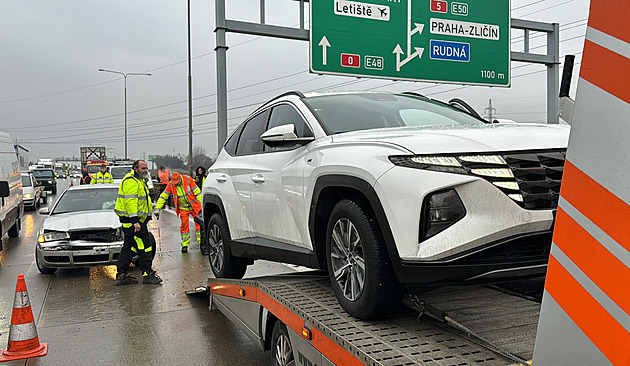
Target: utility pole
column 190, row 128
column 490, row 111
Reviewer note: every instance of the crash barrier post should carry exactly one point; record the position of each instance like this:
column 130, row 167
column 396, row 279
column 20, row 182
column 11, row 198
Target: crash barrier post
column 23, row 339
column 585, row 313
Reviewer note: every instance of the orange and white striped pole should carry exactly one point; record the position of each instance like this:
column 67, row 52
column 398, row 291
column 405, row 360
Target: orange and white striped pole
column 23, row 339
column 585, row 313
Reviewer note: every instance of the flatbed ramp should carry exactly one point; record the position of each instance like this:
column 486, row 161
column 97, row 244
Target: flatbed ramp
column 459, row 326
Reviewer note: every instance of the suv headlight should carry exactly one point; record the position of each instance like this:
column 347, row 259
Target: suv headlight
column 440, row 210
column 492, row 168
column 53, row 236
column 28, row 195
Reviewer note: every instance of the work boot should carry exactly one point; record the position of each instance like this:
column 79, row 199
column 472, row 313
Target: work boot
column 125, row 279
column 151, row 279
column 184, row 249
column 204, row 249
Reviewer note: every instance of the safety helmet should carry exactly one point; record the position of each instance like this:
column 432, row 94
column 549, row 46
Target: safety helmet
column 176, row 178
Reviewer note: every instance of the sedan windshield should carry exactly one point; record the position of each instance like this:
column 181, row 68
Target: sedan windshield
column 46, row 174
column 87, row 200
column 362, row 111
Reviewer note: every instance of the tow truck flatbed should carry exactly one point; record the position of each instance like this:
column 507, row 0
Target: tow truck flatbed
column 473, row 325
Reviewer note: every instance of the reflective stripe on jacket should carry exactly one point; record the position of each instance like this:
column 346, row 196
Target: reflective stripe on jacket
column 100, row 178
column 165, row 176
column 190, row 191
column 133, row 203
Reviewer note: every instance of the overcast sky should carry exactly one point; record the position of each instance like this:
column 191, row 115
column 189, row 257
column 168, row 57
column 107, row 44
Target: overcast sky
column 53, row 100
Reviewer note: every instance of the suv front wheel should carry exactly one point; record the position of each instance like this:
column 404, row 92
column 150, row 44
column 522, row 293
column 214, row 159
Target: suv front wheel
column 358, row 264
column 223, row 263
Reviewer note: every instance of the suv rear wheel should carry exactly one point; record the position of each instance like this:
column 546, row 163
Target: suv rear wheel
column 362, row 277
column 223, row 263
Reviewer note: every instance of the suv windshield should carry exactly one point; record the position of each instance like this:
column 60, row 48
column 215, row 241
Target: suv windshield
column 26, row 181
column 119, row 172
column 354, row 112
column 43, row 174
column 87, row 200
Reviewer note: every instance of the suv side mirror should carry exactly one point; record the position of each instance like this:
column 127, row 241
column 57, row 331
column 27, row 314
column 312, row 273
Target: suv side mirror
column 284, row 134
column 5, row 191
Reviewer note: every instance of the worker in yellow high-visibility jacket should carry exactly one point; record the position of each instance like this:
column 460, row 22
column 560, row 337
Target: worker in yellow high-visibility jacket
column 133, row 207
column 102, row 177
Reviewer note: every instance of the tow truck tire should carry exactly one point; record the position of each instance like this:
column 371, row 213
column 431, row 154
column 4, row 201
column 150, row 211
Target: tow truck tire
column 365, row 285
column 43, row 270
column 281, row 350
column 14, row 231
column 223, row 263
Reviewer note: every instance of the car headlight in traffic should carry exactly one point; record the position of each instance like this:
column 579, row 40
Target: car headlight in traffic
column 28, row 196
column 53, row 236
column 440, row 210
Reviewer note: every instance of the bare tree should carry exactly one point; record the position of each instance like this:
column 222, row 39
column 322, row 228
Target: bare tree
column 200, row 158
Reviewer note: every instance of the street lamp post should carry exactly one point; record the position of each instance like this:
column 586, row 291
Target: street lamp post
column 125, row 74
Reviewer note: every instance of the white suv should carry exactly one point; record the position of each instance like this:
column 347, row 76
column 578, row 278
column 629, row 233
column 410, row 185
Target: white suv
column 386, row 192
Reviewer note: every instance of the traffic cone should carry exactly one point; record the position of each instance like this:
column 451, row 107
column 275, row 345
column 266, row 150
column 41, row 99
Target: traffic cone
column 23, row 340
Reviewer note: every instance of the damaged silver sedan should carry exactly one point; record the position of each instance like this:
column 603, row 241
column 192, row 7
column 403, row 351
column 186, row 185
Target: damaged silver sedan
column 81, row 230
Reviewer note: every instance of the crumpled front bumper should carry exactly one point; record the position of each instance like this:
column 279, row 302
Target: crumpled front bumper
column 78, row 254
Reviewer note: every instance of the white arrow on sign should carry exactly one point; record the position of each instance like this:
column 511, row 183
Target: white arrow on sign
column 324, row 43
column 398, row 51
column 410, row 32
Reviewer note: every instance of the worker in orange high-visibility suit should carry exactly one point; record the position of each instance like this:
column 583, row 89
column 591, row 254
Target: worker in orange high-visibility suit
column 164, row 176
column 187, row 200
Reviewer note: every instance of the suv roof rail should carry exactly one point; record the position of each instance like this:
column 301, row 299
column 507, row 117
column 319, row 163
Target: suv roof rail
column 293, row 92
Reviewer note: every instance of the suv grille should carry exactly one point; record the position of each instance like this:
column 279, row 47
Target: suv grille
column 538, row 176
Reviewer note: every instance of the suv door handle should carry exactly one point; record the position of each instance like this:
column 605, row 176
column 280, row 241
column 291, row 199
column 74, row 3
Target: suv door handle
column 258, row 178
column 221, row 178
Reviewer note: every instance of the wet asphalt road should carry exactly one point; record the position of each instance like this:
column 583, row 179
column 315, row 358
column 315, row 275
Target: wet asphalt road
column 86, row 320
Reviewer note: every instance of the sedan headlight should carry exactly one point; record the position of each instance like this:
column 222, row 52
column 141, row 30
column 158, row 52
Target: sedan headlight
column 53, row 236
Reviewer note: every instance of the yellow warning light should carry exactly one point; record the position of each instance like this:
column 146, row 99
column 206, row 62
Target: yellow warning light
column 241, row 292
column 306, row 334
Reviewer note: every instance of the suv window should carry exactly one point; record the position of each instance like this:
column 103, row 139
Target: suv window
column 44, row 174
column 26, row 181
column 285, row 114
column 249, row 142
column 230, row 144
column 119, row 172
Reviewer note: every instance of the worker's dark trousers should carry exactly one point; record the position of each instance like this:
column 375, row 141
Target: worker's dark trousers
column 126, row 254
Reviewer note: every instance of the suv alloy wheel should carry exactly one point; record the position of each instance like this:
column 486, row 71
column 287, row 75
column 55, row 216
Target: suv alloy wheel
column 223, row 264
column 362, row 277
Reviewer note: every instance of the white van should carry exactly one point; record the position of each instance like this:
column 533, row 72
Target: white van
column 11, row 199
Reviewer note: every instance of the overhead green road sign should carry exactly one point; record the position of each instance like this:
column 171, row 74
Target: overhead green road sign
column 463, row 42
